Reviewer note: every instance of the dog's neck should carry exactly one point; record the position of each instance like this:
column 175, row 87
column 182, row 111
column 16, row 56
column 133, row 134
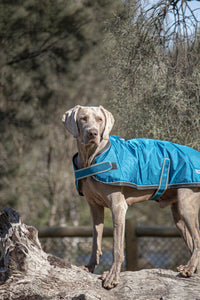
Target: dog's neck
column 86, row 153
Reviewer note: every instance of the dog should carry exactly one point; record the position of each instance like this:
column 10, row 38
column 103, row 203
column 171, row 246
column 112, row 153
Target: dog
column 91, row 127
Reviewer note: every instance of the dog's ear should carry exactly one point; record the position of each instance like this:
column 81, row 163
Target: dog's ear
column 109, row 119
column 69, row 120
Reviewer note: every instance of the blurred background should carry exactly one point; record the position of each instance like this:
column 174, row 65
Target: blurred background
column 139, row 59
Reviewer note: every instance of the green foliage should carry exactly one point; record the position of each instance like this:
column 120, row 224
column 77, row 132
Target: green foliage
column 50, row 61
column 156, row 88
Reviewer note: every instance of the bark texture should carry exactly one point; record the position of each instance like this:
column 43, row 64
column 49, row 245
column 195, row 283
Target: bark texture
column 27, row 272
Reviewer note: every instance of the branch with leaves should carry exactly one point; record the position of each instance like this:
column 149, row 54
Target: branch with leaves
column 173, row 19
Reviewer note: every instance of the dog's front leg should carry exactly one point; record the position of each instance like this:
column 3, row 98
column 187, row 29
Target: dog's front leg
column 97, row 213
column 119, row 208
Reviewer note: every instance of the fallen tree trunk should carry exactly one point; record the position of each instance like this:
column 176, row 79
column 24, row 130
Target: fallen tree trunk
column 27, row 272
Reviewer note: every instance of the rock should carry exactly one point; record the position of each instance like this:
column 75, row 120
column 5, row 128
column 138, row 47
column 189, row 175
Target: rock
column 27, row 272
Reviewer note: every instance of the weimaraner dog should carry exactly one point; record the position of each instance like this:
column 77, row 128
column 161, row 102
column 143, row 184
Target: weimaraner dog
column 91, row 127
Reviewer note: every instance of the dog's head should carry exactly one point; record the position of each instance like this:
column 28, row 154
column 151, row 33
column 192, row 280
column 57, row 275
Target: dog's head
column 90, row 124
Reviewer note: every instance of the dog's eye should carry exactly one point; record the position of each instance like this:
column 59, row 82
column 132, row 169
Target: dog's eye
column 84, row 119
column 99, row 119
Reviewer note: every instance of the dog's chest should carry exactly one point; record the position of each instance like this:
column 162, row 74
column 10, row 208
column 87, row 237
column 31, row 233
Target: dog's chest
column 93, row 191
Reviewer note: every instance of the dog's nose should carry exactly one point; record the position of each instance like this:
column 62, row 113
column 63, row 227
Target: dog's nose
column 92, row 133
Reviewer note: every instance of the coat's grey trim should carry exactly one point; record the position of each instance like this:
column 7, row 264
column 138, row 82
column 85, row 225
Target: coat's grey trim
column 149, row 187
column 124, row 183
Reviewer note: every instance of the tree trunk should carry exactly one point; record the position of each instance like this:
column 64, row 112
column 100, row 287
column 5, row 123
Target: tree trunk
column 27, row 272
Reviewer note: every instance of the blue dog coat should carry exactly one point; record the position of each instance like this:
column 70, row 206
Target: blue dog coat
column 144, row 164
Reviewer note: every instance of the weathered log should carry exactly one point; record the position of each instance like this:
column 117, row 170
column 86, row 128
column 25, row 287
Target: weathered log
column 27, row 272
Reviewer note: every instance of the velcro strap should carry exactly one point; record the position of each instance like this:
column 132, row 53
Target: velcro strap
column 94, row 169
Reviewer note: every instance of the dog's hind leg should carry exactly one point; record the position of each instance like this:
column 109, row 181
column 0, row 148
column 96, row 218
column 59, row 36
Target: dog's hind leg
column 180, row 224
column 188, row 208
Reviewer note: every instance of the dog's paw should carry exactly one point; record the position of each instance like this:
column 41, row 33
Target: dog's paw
column 110, row 279
column 185, row 271
column 89, row 269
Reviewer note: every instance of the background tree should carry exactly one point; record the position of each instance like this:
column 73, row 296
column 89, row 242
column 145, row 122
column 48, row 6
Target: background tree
column 155, row 78
column 156, row 83
column 50, row 61
column 173, row 19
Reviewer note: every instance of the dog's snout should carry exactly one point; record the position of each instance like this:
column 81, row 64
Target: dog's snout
column 92, row 133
